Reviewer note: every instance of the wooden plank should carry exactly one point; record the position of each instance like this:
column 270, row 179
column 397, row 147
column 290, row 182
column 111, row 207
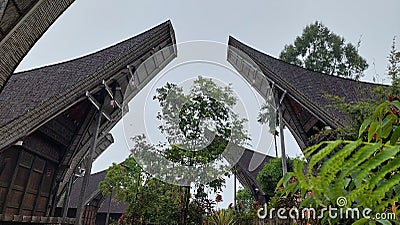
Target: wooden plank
column 17, row 7
column 43, row 147
column 3, row 6
column 26, row 186
column 8, row 195
column 43, row 194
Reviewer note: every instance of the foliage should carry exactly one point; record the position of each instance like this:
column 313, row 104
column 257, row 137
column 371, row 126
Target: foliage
column 246, row 211
column 393, row 69
column 268, row 115
column 365, row 172
column 270, row 175
column 146, row 198
column 246, row 218
column 321, row 50
column 355, row 114
column 245, row 200
column 222, row 217
column 193, row 141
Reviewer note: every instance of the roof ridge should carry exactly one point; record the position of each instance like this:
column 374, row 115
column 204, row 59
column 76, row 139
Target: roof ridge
column 94, row 52
column 231, row 38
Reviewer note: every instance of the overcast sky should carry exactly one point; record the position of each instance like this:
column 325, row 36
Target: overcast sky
column 90, row 25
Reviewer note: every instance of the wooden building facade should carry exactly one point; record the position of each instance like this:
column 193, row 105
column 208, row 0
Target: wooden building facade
column 55, row 120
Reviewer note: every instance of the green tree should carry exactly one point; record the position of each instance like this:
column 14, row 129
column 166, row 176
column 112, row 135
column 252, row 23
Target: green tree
column 147, row 199
column 393, row 68
column 245, row 200
column 246, row 211
column 357, row 112
column 321, row 50
column 270, row 175
column 199, row 127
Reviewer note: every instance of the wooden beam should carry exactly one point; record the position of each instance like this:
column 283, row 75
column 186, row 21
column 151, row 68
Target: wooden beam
column 54, row 193
column 27, row 185
column 75, row 147
column 10, row 188
column 3, row 6
column 282, row 136
column 39, row 189
column 17, row 8
column 88, row 169
column 67, row 193
column 108, row 209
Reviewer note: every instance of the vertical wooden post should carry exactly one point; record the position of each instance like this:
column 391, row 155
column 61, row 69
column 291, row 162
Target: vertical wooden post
column 88, row 168
column 66, row 197
column 54, row 198
column 108, row 210
column 275, row 143
column 234, row 191
column 11, row 186
column 283, row 150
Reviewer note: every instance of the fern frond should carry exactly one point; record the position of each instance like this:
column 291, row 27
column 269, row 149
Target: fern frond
column 322, row 154
column 374, row 162
column 361, row 155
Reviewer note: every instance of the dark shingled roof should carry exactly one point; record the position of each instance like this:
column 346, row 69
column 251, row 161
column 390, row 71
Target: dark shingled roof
column 31, row 97
column 247, row 169
column 93, row 187
column 22, row 23
column 306, row 86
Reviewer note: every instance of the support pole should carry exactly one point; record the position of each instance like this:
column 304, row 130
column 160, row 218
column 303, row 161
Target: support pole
column 283, row 151
column 66, row 197
column 88, row 168
column 275, row 143
column 234, row 191
column 108, row 209
column 54, row 198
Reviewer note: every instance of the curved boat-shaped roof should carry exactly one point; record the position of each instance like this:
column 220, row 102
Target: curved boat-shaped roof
column 307, row 86
column 22, row 23
column 32, row 97
column 302, row 92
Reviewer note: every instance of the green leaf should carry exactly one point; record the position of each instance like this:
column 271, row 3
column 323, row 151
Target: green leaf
column 384, row 222
column 396, row 103
column 364, row 126
column 395, row 135
column 387, row 125
column 372, row 130
column 322, row 153
column 361, row 221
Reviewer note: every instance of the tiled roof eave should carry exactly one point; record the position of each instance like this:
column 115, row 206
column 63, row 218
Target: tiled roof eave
column 29, row 121
column 300, row 98
column 18, row 42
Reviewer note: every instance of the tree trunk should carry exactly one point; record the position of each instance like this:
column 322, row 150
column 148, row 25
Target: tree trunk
column 185, row 208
